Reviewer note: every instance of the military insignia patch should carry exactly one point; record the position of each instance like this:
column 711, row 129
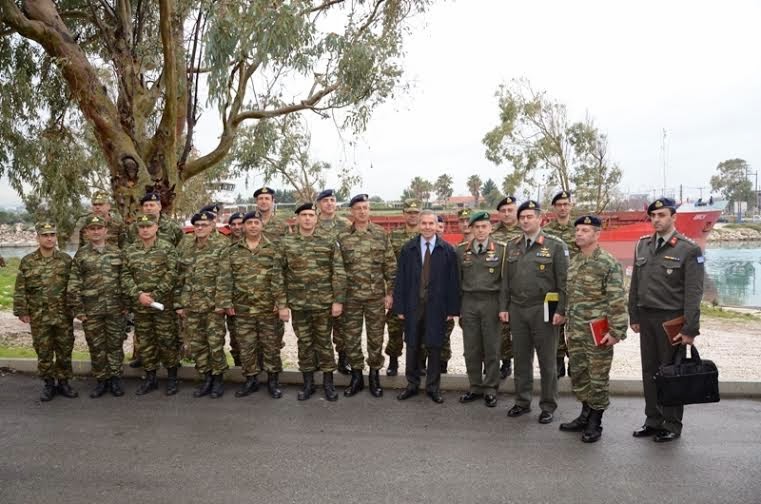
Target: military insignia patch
column 669, row 271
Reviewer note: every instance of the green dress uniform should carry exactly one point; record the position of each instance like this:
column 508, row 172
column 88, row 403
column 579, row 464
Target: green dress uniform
column 504, row 234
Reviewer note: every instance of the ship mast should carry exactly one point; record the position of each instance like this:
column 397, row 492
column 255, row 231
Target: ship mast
column 663, row 153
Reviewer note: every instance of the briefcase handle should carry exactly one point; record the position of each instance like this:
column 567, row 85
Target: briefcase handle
column 681, row 355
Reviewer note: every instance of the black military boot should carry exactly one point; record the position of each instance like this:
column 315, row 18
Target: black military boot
column 273, row 385
column 205, row 387
column 579, row 423
column 393, row 366
column 374, row 383
column 327, row 385
column 100, row 388
column 249, row 387
column 150, row 383
column 343, row 364
column 116, row 386
column 561, row 367
column 593, row 430
column 137, row 362
column 171, row 381
column 356, row 384
column 308, row 389
column 217, row 386
column 48, row 390
column 506, row 369
column 65, row 389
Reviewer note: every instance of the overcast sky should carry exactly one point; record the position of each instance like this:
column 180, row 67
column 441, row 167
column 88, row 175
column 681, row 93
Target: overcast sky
column 636, row 68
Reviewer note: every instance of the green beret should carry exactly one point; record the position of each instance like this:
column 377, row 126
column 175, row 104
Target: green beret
column 479, row 216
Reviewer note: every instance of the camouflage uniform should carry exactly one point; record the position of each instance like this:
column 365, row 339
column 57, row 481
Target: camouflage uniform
column 40, row 293
column 117, row 230
column 504, row 234
column 253, row 285
column 198, row 292
column 331, row 228
column 169, row 231
column 314, row 277
column 153, row 270
column 274, row 230
column 567, row 233
column 595, row 290
column 95, row 294
column 395, row 326
column 370, row 266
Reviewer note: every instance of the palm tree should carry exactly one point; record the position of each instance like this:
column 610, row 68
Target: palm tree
column 474, row 186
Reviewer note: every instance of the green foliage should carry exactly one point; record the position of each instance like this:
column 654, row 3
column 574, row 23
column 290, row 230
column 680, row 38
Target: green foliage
column 9, row 217
column 443, row 187
column 7, row 282
column 419, row 189
column 474, row 187
column 491, row 193
column 733, row 182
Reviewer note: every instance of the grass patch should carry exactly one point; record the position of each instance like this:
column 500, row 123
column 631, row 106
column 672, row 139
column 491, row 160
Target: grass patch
column 717, row 312
column 8, row 352
column 8, row 282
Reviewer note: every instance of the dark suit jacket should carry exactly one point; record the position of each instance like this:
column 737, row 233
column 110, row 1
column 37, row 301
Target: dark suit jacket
column 443, row 291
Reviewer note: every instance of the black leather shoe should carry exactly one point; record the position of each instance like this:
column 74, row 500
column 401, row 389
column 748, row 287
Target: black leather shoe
column 393, row 366
column 375, row 387
column 645, row 431
column 48, row 391
column 436, row 397
column 205, row 387
column 579, row 423
column 490, row 400
column 328, row 387
column 561, row 367
column 150, row 383
column 407, row 393
column 100, row 388
column 506, row 369
column 308, row 389
column 470, row 397
column 273, row 385
column 116, row 387
column 356, row 384
column 545, row 417
column 517, row 411
column 250, row 386
column 65, row 389
column 665, row 436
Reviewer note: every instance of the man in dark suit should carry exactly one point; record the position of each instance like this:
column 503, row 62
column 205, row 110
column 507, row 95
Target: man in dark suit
column 426, row 295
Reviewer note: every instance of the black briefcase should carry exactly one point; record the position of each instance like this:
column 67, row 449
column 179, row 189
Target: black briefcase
column 687, row 381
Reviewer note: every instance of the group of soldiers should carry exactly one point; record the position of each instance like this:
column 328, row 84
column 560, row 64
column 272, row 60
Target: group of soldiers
column 524, row 289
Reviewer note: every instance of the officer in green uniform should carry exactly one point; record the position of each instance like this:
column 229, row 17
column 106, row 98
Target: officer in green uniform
column 395, row 327
column 198, row 303
column 370, row 266
column 562, row 228
column 101, row 206
column 506, row 230
column 96, row 298
column 482, row 262
column 315, row 283
column 667, row 283
column 595, row 292
column 39, row 299
column 235, row 223
column 331, row 225
column 537, row 265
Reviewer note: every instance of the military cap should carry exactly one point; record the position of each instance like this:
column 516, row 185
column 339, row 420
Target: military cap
column 411, row 205
column 100, row 197
column 254, row 214
column 590, row 220
column 463, row 213
column 94, row 221
column 305, row 206
column 233, row 216
column 662, row 202
column 507, row 200
column 45, row 227
column 151, row 196
column 358, row 199
column 440, row 218
column 146, row 219
column 327, row 193
column 202, row 217
column 213, row 208
column 479, row 216
column 561, row 195
column 528, row 205
column 264, row 190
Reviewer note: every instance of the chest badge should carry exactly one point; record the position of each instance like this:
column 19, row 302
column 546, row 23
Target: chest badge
column 669, row 271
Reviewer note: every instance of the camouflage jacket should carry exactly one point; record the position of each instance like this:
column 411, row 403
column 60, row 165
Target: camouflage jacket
column 504, row 234
column 313, row 271
column 252, row 280
column 596, row 290
column 566, row 232
column 152, row 270
column 198, row 287
column 168, row 230
column 332, row 227
column 41, row 285
column 400, row 236
column 369, row 261
column 117, row 231
column 275, row 228
column 95, row 281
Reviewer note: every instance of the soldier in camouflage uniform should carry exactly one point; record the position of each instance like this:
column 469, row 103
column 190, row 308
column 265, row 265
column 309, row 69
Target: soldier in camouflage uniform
column 199, row 305
column 39, row 299
column 254, row 289
column 330, row 224
column 235, row 223
column 116, row 230
column 562, row 228
column 595, row 291
column 463, row 222
column 315, row 283
column 95, row 297
column 506, row 230
column 370, row 266
column 216, row 235
column 395, row 326
column 149, row 273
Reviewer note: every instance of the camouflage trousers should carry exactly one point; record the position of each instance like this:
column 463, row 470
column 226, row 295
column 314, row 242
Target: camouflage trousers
column 373, row 314
column 205, row 333
column 53, row 345
column 506, row 349
column 105, row 339
column 258, row 334
column 312, row 328
column 562, row 346
column 589, row 366
column 232, row 328
column 156, row 333
column 395, row 343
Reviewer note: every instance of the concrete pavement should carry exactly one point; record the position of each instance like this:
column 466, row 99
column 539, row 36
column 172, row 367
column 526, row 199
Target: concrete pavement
column 359, row 450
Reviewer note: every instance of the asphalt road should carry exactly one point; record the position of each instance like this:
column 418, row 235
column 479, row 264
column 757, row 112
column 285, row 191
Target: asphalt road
column 179, row 449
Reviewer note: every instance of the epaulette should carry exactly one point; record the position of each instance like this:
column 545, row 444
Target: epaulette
column 688, row 240
column 553, row 237
column 518, row 239
column 501, row 244
column 643, row 237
